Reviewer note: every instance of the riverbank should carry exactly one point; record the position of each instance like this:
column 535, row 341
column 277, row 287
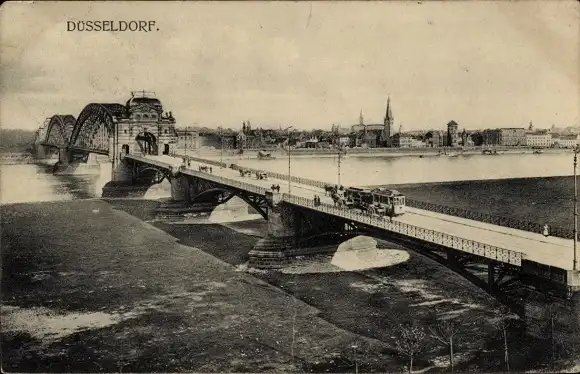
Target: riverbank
column 112, row 292
column 16, row 158
column 375, row 152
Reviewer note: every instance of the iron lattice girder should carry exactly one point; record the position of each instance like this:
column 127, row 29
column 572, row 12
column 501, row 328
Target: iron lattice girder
column 257, row 202
column 204, row 186
column 59, row 130
column 94, row 127
column 501, row 276
column 139, row 170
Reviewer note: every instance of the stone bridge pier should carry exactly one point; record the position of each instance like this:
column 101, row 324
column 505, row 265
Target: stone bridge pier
column 292, row 231
column 42, row 152
column 75, row 163
column 65, row 164
column 181, row 188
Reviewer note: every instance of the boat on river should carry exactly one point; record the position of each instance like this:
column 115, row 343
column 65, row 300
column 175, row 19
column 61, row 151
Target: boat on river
column 263, row 155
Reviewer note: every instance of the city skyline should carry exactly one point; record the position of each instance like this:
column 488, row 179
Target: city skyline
column 321, row 64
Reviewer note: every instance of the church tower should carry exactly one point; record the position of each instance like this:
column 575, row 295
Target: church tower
column 388, row 125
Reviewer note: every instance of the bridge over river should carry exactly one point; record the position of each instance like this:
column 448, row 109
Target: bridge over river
column 139, row 139
column 296, row 224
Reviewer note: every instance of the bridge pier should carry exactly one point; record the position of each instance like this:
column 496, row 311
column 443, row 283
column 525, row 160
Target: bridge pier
column 293, row 230
column 180, row 187
column 122, row 172
column 271, row 251
column 64, row 165
column 64, row 156
column 41, row 152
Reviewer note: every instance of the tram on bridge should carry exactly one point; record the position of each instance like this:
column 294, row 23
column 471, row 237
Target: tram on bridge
column 378, row 201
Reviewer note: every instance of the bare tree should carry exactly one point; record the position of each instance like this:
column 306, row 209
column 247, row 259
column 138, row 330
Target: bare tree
column 446, row 331
column 503, row 320
column 552, row 314
column 411, row 341
column 564, row 338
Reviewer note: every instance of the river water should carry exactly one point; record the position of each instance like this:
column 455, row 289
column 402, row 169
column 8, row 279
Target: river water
column 368, row 171
column 30, row 183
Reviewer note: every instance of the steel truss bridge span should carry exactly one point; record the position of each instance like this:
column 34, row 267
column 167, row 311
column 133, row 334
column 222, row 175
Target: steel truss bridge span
column 94, row 127
column 504, row 256
column 58, row 131
column 89, row 133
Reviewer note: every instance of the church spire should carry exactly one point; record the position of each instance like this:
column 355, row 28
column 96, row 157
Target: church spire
column 389, row 114
column 360, row 118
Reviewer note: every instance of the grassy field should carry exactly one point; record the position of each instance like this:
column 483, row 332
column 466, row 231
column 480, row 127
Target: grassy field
column 539, row 200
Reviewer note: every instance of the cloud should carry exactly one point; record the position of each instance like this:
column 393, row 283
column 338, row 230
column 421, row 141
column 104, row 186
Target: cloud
column 222, row 63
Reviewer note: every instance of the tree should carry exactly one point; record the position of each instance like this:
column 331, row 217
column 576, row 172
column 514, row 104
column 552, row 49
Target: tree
column 16, row 140
column 477, row 138
column 564, row 337
column 503, row 320
column 410, row 340
column 446, row 332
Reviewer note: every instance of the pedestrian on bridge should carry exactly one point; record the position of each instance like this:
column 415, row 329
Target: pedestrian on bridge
column 210, row 170
column 316, row 200
column 546, row 230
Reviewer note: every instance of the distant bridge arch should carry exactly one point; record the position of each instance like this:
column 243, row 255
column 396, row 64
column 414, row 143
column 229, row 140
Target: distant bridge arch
column 59, row 130
column 94, row 127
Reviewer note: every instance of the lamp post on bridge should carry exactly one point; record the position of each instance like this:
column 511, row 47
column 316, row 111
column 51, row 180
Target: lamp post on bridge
column 340, row 152
column 222, row 147
column 576, row 151
column 289, row 174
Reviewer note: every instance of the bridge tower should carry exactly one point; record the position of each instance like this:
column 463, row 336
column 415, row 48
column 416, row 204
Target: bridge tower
column 141, row 128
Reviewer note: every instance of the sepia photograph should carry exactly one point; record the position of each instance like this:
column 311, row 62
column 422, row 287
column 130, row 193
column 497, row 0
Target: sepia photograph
column 289, row 186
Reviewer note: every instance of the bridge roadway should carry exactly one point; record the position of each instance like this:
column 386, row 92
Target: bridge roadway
column 552, row 251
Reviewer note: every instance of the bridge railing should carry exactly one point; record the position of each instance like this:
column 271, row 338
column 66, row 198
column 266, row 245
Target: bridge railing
column 300, row 180
column 489, row 218
column 225, row 181
column 202, row 160
column 432, row 236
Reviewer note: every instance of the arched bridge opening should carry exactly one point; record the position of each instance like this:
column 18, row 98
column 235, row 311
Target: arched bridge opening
column 218, row 195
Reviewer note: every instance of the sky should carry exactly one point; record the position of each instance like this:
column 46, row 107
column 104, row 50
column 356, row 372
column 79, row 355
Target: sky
column 308, row 64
